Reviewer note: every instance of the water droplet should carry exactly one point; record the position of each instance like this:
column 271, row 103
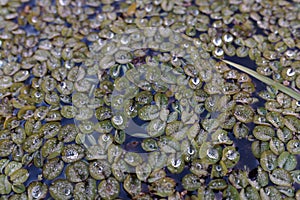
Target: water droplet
column 290, row 72
column 270, row 166
column 218, row 168
column 88, row 127
column 105, row 138
column 196, row 81
column 118, row 120
column 289, row 53
column 176, row 163
column 36, row 192
column 231, row 155
column 222, row 137
column 199, row 166
column 64, row 2
column 217, row 41
column 227, row 38
column 148, row 8
column 190, row 151
column 67, row 191
column 219, row 52
column 71, row 154
column 212, row 153
column 37, row 94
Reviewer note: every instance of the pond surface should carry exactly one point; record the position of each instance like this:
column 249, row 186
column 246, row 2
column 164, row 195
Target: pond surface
column 131, row 99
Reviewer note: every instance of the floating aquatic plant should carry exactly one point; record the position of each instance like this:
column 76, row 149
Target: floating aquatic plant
column 119, row 100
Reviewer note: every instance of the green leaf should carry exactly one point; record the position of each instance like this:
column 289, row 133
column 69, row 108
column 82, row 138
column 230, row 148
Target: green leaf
column 5, row 185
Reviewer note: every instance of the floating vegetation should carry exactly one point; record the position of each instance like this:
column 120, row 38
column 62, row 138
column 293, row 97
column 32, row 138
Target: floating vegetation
column 141, row 100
